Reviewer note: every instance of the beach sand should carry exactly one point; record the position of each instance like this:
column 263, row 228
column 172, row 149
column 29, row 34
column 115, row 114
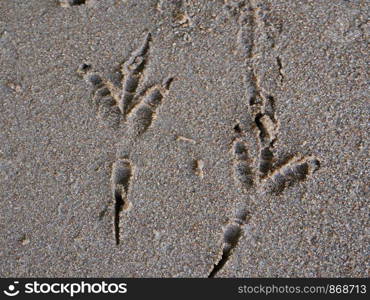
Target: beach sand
column 237, row 133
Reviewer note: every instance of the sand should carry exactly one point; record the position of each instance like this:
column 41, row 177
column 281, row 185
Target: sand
column 184, row 138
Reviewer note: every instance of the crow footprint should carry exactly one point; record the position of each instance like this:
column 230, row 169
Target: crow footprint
column 255, row 170
column 120, row 106
column 259, row 177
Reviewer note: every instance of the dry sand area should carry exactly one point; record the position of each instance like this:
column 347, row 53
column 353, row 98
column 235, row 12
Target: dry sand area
column 184, row 138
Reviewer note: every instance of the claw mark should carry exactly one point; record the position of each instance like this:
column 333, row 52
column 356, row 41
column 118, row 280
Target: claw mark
column 261, row 104
column 267, row 136
column 231, row 236
column 132, row 70
column 121, row 175
column 296, row 169
column 144, row 113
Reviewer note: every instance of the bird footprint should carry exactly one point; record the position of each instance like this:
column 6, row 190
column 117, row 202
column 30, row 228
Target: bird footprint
column 119, row 105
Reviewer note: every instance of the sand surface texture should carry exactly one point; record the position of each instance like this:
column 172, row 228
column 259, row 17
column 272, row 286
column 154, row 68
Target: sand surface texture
column 184, row 138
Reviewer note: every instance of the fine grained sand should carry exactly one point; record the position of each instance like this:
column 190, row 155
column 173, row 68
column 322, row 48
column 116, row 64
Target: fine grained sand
column 287, row 75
